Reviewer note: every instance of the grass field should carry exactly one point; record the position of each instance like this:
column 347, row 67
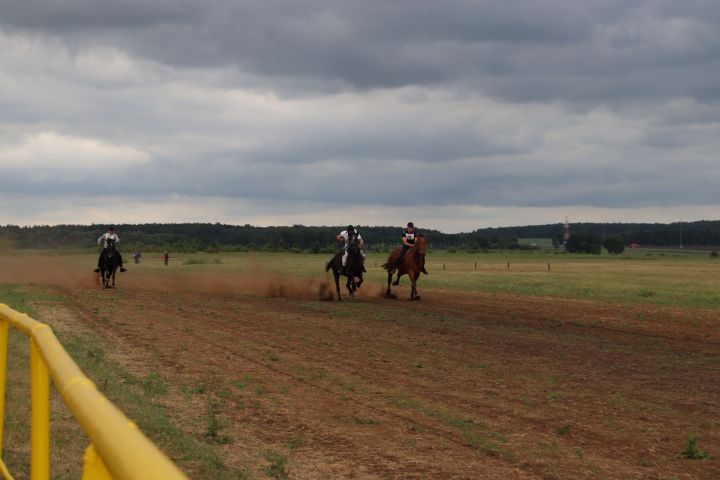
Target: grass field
column 683, row 280
column 593, row 367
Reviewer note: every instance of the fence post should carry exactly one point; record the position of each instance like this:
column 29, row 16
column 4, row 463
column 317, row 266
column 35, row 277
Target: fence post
column 548, row 267
column 475, row 265
column 40, row 415
column 4, row 327
column 443, row 266
column 508, row 265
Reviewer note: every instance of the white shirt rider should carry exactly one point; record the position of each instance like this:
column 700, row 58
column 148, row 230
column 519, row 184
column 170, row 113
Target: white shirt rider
column 107, row 236
column 345, row 235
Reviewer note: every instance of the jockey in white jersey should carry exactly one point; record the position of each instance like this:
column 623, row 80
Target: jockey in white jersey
column 348, row 235
column 103, row 240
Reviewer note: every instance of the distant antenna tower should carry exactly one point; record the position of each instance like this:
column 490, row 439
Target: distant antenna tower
column 566, row 232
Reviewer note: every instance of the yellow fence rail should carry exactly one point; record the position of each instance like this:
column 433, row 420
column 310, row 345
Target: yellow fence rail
column 118, row 450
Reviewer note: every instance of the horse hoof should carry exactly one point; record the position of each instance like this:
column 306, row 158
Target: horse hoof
column 415, row 298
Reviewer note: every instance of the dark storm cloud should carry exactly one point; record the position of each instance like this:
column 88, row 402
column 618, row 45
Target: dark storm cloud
column 517, row 50
column 83, row 15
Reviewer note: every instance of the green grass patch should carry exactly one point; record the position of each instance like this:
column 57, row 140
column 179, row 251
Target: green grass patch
column 277, row 467
column 692, row 451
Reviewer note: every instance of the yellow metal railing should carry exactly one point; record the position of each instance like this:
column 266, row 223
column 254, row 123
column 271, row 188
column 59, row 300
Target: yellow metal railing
column 118, row 450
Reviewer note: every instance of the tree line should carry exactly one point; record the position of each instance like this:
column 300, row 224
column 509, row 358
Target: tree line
column 705, row 233
column 188, row 237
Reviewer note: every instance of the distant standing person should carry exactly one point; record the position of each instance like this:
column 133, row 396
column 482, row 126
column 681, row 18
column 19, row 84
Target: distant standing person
column 166, row 257
column 137, row 255
column 103, row 240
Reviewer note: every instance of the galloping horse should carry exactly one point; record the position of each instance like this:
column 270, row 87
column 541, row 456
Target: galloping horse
column 109, row 263
column 411, row 265
column 353, row 269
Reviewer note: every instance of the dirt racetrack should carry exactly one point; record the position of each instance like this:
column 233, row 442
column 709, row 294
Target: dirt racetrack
column 459, row 385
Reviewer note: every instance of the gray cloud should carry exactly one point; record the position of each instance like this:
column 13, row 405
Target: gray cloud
column 517, row 104
column 518, row 50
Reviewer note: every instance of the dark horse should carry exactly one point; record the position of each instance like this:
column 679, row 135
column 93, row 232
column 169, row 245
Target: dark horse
column 109, row 263
column 411, row 265
column 353, row 270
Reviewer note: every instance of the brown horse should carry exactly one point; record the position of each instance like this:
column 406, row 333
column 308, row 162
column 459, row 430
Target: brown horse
column 411, row 265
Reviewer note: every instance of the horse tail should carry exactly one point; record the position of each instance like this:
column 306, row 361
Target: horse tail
column 386, row 266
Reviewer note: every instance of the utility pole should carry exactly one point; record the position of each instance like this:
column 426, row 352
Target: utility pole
column 681, row 242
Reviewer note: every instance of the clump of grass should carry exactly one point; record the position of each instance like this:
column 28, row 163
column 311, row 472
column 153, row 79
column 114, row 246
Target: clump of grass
column 213, row 431
column 564, row 430
column 364, row 421
column 554, row 396
column 215, row 426
column 296, row 441
column 646, row 293
column 153, row 385
column 692, row 451
column 278, row 468
column 200, row 389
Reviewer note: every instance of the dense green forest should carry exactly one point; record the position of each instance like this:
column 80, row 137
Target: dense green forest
column 703, row 233
column 219, row 237
column 216, row 237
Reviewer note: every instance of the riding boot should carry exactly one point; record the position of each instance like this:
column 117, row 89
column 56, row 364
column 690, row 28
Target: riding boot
column 123, row 269
column 424, row 271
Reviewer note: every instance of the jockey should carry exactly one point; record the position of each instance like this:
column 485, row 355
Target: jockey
column 350, row 235
column 408, row 241
column 103, row 240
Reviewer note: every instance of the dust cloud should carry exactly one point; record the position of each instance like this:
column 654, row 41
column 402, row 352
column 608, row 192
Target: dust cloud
column 70, row 272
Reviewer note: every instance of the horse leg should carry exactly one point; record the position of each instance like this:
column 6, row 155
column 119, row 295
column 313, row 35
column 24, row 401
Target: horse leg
column 113, row 277
column 388, row 292
column 349, row 285
column 336, row 274
column 413, row 287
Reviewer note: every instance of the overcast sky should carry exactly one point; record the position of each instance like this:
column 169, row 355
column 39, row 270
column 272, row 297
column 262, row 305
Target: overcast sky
column 456, row 114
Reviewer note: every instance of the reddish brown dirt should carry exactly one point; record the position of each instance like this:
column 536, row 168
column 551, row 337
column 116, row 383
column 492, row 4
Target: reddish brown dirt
column 459, row 385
